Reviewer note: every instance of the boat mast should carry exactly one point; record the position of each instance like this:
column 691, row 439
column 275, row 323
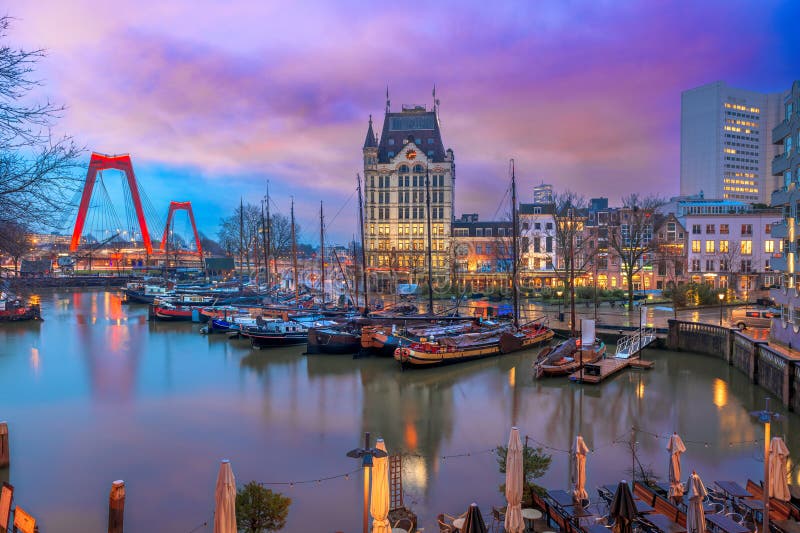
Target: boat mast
column 241, row 239
column 572, row 271
column 268, row 243
column 363, row 247
column 355, row 272
column 322, row 249
column 294, row 261
column 514, row 237
column 430, row 256
column 264, row 245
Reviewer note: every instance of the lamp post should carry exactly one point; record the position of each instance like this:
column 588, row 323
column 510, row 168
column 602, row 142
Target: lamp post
column 559, row 294
column 366, row 454
column 766, row 417
column 721, row 297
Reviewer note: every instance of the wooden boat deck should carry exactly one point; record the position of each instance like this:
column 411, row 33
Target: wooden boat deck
column 604, row 368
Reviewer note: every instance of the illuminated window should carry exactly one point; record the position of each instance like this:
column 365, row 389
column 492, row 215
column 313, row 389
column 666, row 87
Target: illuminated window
column 746, row 247
column 723, row 247
column 696, row 247
column 724, row 229
column 709, row 247
column 769, row 246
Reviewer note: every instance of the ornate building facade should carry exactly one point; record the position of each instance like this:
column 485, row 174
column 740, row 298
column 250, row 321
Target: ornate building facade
column 409, row 184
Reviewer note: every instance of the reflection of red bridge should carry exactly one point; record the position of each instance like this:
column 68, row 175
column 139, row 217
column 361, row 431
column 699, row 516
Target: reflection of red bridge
column 100, row 162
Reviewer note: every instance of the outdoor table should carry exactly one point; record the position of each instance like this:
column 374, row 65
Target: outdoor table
column 664, row 524
column 787, row 526
column 561, row 498
column 733, row 489
column 756, row 507
column 581, row 516
column 725, row 524
column 529, row 515
column 458, row 523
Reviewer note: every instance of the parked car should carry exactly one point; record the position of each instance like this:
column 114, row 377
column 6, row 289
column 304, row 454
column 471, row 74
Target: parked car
column 753, row 318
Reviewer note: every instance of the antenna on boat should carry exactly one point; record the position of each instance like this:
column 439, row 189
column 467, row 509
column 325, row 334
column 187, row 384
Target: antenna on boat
column 430, row 257
column 514, row 251
column 363, row 245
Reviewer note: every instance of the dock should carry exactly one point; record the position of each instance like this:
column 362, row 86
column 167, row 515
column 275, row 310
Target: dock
column 596, row 372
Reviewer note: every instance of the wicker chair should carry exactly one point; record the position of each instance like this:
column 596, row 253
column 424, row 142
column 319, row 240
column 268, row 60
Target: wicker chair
column 498, row 519
column 404, row 523
column 444, row 525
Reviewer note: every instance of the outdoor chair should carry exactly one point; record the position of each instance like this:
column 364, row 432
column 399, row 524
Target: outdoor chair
column 404, row 523
column 716, row 508
column 498, row 519
column 736, row 517
column 445, row 527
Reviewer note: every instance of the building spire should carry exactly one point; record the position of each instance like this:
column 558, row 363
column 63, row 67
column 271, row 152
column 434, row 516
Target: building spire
column 388, row 102
column 435, row 101
column 370, row 141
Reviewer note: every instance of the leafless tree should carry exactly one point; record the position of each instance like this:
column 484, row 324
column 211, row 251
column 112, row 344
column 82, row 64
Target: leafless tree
column 633, row 242
column 574, row 252
column 36, row 168
column 15, row 242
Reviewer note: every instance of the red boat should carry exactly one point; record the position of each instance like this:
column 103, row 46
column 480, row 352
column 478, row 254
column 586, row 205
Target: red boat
column 166, row 311
column 14, row 311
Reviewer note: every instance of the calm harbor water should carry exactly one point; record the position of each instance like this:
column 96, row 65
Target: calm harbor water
column 98, row 393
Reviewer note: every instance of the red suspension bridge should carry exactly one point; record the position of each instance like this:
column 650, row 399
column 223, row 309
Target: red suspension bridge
column 98, row 223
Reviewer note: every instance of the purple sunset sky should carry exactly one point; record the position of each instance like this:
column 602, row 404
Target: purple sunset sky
column 212, row 98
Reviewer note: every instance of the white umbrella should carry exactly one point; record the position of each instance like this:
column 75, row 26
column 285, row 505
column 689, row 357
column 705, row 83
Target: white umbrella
column 225, row 500
column 514, row 522
column 695, row 516
column 675, row 449
column 379, row 498
column 778, row 485
column 580, row 470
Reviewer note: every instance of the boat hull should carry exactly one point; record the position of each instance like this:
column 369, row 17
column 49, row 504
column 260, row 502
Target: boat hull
column 21, row 314
column 275, row 340
column 588, row 357
column 326, row 340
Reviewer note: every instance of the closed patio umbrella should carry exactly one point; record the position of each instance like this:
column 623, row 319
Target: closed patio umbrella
column 695, row 516
column 581, row 450
column 514, row 522
column 379, row 501
column 778, row 485
column 474, row 523
column 675, row 449
column 622, row 509
column 225, row 500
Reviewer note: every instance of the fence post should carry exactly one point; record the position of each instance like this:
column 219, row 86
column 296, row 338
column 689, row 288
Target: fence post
column 5, row 454
column 116, row 506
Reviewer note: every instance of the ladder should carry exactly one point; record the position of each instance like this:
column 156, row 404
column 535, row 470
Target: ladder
column 395, row 482
column 630, row 345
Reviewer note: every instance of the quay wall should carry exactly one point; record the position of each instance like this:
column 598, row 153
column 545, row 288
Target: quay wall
column 763, row 364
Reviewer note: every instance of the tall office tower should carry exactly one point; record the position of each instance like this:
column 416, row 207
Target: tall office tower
column 726, row 144
column 543, row 194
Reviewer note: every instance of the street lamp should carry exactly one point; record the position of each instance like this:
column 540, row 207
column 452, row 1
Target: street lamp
column 766, row 417
column 721, row 297
column 366, row 455
column 559, row 294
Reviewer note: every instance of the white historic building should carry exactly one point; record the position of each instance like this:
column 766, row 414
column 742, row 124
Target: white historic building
column 404, row 168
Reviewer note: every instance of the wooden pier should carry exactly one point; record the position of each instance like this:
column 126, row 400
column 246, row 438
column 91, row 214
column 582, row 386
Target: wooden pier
column 604, row 368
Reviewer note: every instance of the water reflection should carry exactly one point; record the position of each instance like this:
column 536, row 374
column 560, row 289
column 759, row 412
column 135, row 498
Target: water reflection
column 159, row 404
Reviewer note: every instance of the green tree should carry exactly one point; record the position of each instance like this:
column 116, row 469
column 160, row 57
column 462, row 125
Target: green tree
column 535, row 464
column 259, row 509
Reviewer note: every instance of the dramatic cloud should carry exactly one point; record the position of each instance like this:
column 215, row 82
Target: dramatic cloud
column 214, row 99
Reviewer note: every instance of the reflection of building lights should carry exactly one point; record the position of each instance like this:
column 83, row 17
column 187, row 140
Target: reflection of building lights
column 512, row 376
column 640, row 390
column 35, row 360
column 415, row 473
column 720, row 393
column 410, row 436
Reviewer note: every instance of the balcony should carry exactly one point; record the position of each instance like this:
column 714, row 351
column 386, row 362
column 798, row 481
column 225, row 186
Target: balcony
column 780, row 164
column 779, row 230
column 780, row 132
column 778, row 262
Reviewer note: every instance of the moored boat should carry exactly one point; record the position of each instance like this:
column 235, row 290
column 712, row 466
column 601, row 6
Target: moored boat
column 334, row 339
column 276, row 332
column 567, row 357
column 14, row 311
column 470, row 346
